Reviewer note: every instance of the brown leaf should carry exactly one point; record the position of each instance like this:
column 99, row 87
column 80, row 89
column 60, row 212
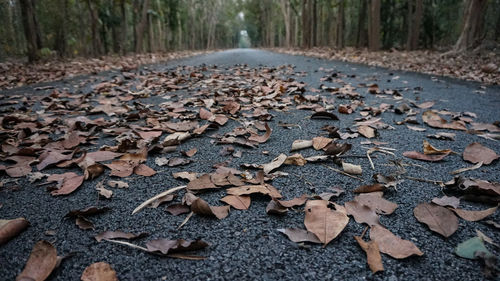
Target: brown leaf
column 373, row 257
column 274, row 208
column 323, row 222
column 11, row 228
column 424, row 157
column 166, row 246
column 476, row 152
column 84, row 223
column 205, row 114
column 352, row 169
column 178, row 161
column 324, row 115
column 296, row 159
column 370, row 188
column 431, row 150
column 276, row 163
column 67, row 183
column 320, row 142
column 437, row 218
column 375, row 201
column 178, row 209
column 51, row 157
column 393, row 245
column 298, row 235
column 143, row 170
column 298, row 201
column 41, row 262
column 367, row 131
column 474, row 215
column 445, row 201
column 237, row 202
column 415, row 128
column 301, row 144
column 426, row 105
column 265, row 189
column 99, row 271
column 148, row 135
column 201, row 207
column 100, row 156
column 191, row 152
column 263, row 138
column 185, row 175
column 434, row 120
column 121, row 168
column 118, row 234
column 201, row 183
column 362, row 213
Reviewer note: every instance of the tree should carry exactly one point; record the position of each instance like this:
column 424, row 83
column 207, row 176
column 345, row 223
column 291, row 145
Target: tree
column 141, row 26
column 473, row 22
column 339, row 42
column 94, row 29
column 414, row 20
column 31, row 29
column 374, row 25
column 361, row 32
column 286, row 11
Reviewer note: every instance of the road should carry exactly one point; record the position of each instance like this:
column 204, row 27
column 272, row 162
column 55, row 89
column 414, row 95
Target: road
column 246, row 244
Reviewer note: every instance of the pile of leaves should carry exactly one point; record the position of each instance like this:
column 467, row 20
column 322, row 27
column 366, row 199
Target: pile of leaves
column 67, row 130
column 16, row 73
column 482, row 67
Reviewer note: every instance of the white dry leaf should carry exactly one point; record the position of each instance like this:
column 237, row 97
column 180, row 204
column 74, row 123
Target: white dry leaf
column 118, row 184
column 36, row 176
column 301, row 144
column 276, row 163
column 161, row 161
column 103, row 191
column 351, row 168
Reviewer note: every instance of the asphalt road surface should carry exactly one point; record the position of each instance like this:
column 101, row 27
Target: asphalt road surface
column 246, row 244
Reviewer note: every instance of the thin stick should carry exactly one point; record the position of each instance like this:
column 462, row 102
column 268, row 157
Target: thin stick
column 343, row 173
column 425, row 180
column 150, row 200
column 364, row 231
column 185, row 220
column 369, row 158
column 127, row 244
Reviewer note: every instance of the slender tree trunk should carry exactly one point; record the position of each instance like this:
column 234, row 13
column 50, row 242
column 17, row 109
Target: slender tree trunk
column 314, row 22
column 374, row 26
column 141, row 26
column 340, row 24
column 60, row 42
column 306, row 24
column 285, row 10
column 124, row 28
column 472, row 31
column 415, row 10
column 94, row 28
column 30, row 29
column 361, row 30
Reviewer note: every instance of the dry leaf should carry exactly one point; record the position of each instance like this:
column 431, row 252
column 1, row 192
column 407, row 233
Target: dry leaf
column 320, row 142
column 118, row 234
column 11, row 228
column 301, row 144
column 431, row 150
column 167, row 246
column 276, row 163
column 178, row 209
column 118, row 184
column 375, row 201
column 298, row 235
column 362, row 213
column 294, row 202
column 201, row 207
column 370, row 188
column 458, row 171
column 437, row 218
column 373, row 257
column 434, row 120
column 424, row 157
column 274, row 208
column 99, row 271
column 66, row 183
column 325, row 223
column 237, row 202
column 103, row 191
column 367, row 131
column 263, row 138
column 41, row 262
column 447, row 201
column 415, row 128
column 393, row 245
column 476, row 152
column 474, row 215
column 296, row 159
column 352, row 169
column 265, row 189
column 191, row 152
column 185, row 175
column 201, row 183
column 143, row 170
column 84, row 223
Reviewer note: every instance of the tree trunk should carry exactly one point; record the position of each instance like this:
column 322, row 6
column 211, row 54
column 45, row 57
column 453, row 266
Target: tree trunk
column 415, row 9
column 361, row 30
column 94, row 21
column 306, row 24
column 374, row 26
column 286, row 10
column 141, row 26
column 124, row 29
column 60, row 42
column 340, row 25
column 314, row 23
column 30, row 29
column 472, row 31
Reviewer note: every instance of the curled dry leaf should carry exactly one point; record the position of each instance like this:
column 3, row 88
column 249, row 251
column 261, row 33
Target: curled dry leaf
column 11, row 228
column 415, row 128
column 437, row 218
column 424, row 157
column 178, row 209
column 117, row 184
column 476, row 152
column 298, row 235
column 325, row 223
column 167, row 246
column 475, row 215
column 237, row 202
column 433, row 119
column 84, row 224
column 296, row 159
column 301, row 144
column 373, row 257
column 324, row 115
column 443, row 136
column 431, row 150
column 362, row 213
column 352, row 169
column 201, row 207
column 118, row 234
column 185, row 175
column 298, row 201
column 263, row 138
column 447, row 201
column 99, row 271
column 375, row 201
column 274, row 208
column 66, row 183
column 320, row 142
column 276, row 163
column 393, row 245
column 265, row 189
column 41, row 262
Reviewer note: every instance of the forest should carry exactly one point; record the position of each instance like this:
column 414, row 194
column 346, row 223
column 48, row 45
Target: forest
column 90, row 28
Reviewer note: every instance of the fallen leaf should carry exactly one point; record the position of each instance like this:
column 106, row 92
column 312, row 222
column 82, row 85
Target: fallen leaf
column 437, row 218
column 373, row 257
column 325, row 223
column 415, row 128
column 424, row 157
column 201, row 207
column 99, row 271
column 178, row 209
column 143, row 170
column 469, row 215
column 298, row 201
column 66, row 183
column 265, row 189
column 167, row 246
column 52, row 157
column 352, row 169
column 201, row 183
column 443, row 136
column 431, row 150
column 237, row 202
column 447, row 201
column 296, row 159
column 118, row 234
column 393, row 245
column 41, row 262
column 367, row 131
column 469, row 248
column 434, row 120
column 470, row 168
column 263, row 138
column 476, row 152
column 84, row 223
column 320, row 142
column 103, row 191
column 370, row 188
column 276, row 163
column 191, row 152
column 11, row 228
column 117, row 184
column 298, row 235
column 362, row 213
column 375, row 201
column 274, row 208
column 185, row 175
column 301, row 144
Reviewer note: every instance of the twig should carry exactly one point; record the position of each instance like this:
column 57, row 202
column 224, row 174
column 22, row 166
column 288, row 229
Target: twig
column 342, row 172
column 364, row 232
column 150, row 200
column 425, row 180
column 127, row 244
column 185, row 220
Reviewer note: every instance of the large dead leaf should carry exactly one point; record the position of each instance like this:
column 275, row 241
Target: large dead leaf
column 263, row 138
column 437, row 218
column 424, row 157
column 375, row 201
column 320, row 142
column 367, row 131
column 445, row 201
column 201, row 183
column 265, row 189
column 325, row 223
column 99, row 271
column 298, row 201
column 476, row 152
column 66, row 183
column 41, row 262
column 237, row 202
column 393, row 245
column 167, row 246
column 201, row 207
column 11, row 228
column 298, row 235
column 51, row 157
column 118, row 234
column 434, row 120
column 362, row 213
column 469, row 215
column 373, row 257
